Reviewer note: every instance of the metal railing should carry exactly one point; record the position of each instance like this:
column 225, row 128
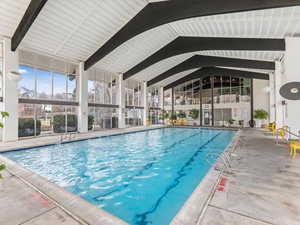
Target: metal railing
column 67, row 137
column 293, row 134
column 224, row 158
column 290, row 134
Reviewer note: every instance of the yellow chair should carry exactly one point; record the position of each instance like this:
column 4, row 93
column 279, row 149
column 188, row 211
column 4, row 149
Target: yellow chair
column 273, row 127
column 294, row 146
column 281, row 132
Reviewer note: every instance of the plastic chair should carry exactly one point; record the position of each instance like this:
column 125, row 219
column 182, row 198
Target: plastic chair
column 294, row 146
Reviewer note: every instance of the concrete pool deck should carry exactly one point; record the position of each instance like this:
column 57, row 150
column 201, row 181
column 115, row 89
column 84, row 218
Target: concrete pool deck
column 263, row 189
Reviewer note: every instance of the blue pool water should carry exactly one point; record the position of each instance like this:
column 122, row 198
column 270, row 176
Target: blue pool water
column 143, row 177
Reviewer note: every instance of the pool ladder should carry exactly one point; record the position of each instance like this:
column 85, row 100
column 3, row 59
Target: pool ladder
column 224, row 157
column 67, row 137
column 217, row 157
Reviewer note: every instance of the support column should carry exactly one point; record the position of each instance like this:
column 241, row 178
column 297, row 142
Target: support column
column 145, row 103
column 121, row 102
column 83, row 100
column 10, row 91
column 272, row 108
column 279, row 116
column 291, row 74
column 161, row 98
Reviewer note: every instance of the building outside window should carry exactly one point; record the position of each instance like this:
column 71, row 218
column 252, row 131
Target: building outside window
column 102, row 94
column 167, row 97
column 225, row 100
column 45, row 119
column 43, row 84
column 102, row 118
column 154, row 111
column 133, row 102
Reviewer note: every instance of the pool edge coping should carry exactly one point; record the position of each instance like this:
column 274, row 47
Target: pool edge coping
column 193, row 209
column 86, row 212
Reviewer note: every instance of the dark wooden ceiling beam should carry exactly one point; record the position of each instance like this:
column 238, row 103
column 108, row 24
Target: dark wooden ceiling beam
column 33, row 10
column 198, row 61
column 214, row 71
column 183, row 45
column 159, row 13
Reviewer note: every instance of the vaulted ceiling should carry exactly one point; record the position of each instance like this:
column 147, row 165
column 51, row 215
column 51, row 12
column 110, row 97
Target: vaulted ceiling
column 76, row 29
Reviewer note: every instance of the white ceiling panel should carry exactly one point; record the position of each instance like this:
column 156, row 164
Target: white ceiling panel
column 75, row 29
column 161, row 67
column 253, row 55
column 169, row 63
column 138, row 48
column 270, row 23
column 11, row 13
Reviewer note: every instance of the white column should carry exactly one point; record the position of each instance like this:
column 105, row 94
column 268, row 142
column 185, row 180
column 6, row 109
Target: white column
column 291, row 74
column 272, row 98
column 161, row 97
column 278, row 99
column 83, row 100
column 10, row 91
column 121, row 102
column 145, row 103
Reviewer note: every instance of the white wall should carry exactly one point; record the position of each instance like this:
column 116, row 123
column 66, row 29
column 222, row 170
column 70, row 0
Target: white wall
column 292, row 74
column 261, row 95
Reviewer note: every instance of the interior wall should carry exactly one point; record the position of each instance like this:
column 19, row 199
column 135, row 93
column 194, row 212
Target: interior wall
column 261, row 95
column 291, row 74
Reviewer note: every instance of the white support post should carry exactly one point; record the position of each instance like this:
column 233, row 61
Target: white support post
column 278, row 99
column 291, row 74
column 10, row 91
column 121, row 102
column 272, row 108
column 161, row 98
column 83, row 100
column 145, row 103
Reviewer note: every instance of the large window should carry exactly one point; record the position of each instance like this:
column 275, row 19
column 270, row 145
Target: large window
column 43, row 84
column 133, row 93
column 154, row 97
column 168, row 98
column 102, row 87
column 102, row 118
column 44, row 119
column 133, row 117
column 225, row 100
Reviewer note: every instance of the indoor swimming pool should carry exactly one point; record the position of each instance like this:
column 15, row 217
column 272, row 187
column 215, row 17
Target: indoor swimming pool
column 141, row 177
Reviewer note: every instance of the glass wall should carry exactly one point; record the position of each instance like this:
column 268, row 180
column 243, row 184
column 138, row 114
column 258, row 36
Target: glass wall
column 102, row 87
column 167, row 98
column 45, row 119
column 43, row 84
column 133, row 93
column 154, row 110
column 102, row 118
column 133, row 117
column 225, row 101
column 102, row 90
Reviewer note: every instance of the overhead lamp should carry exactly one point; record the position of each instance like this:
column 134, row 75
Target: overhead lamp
column 14, row 76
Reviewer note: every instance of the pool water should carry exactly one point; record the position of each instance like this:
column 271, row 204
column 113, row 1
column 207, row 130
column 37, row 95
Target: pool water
column 142, row 177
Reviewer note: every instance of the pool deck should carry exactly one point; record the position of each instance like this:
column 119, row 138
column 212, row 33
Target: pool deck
column 264, row 189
